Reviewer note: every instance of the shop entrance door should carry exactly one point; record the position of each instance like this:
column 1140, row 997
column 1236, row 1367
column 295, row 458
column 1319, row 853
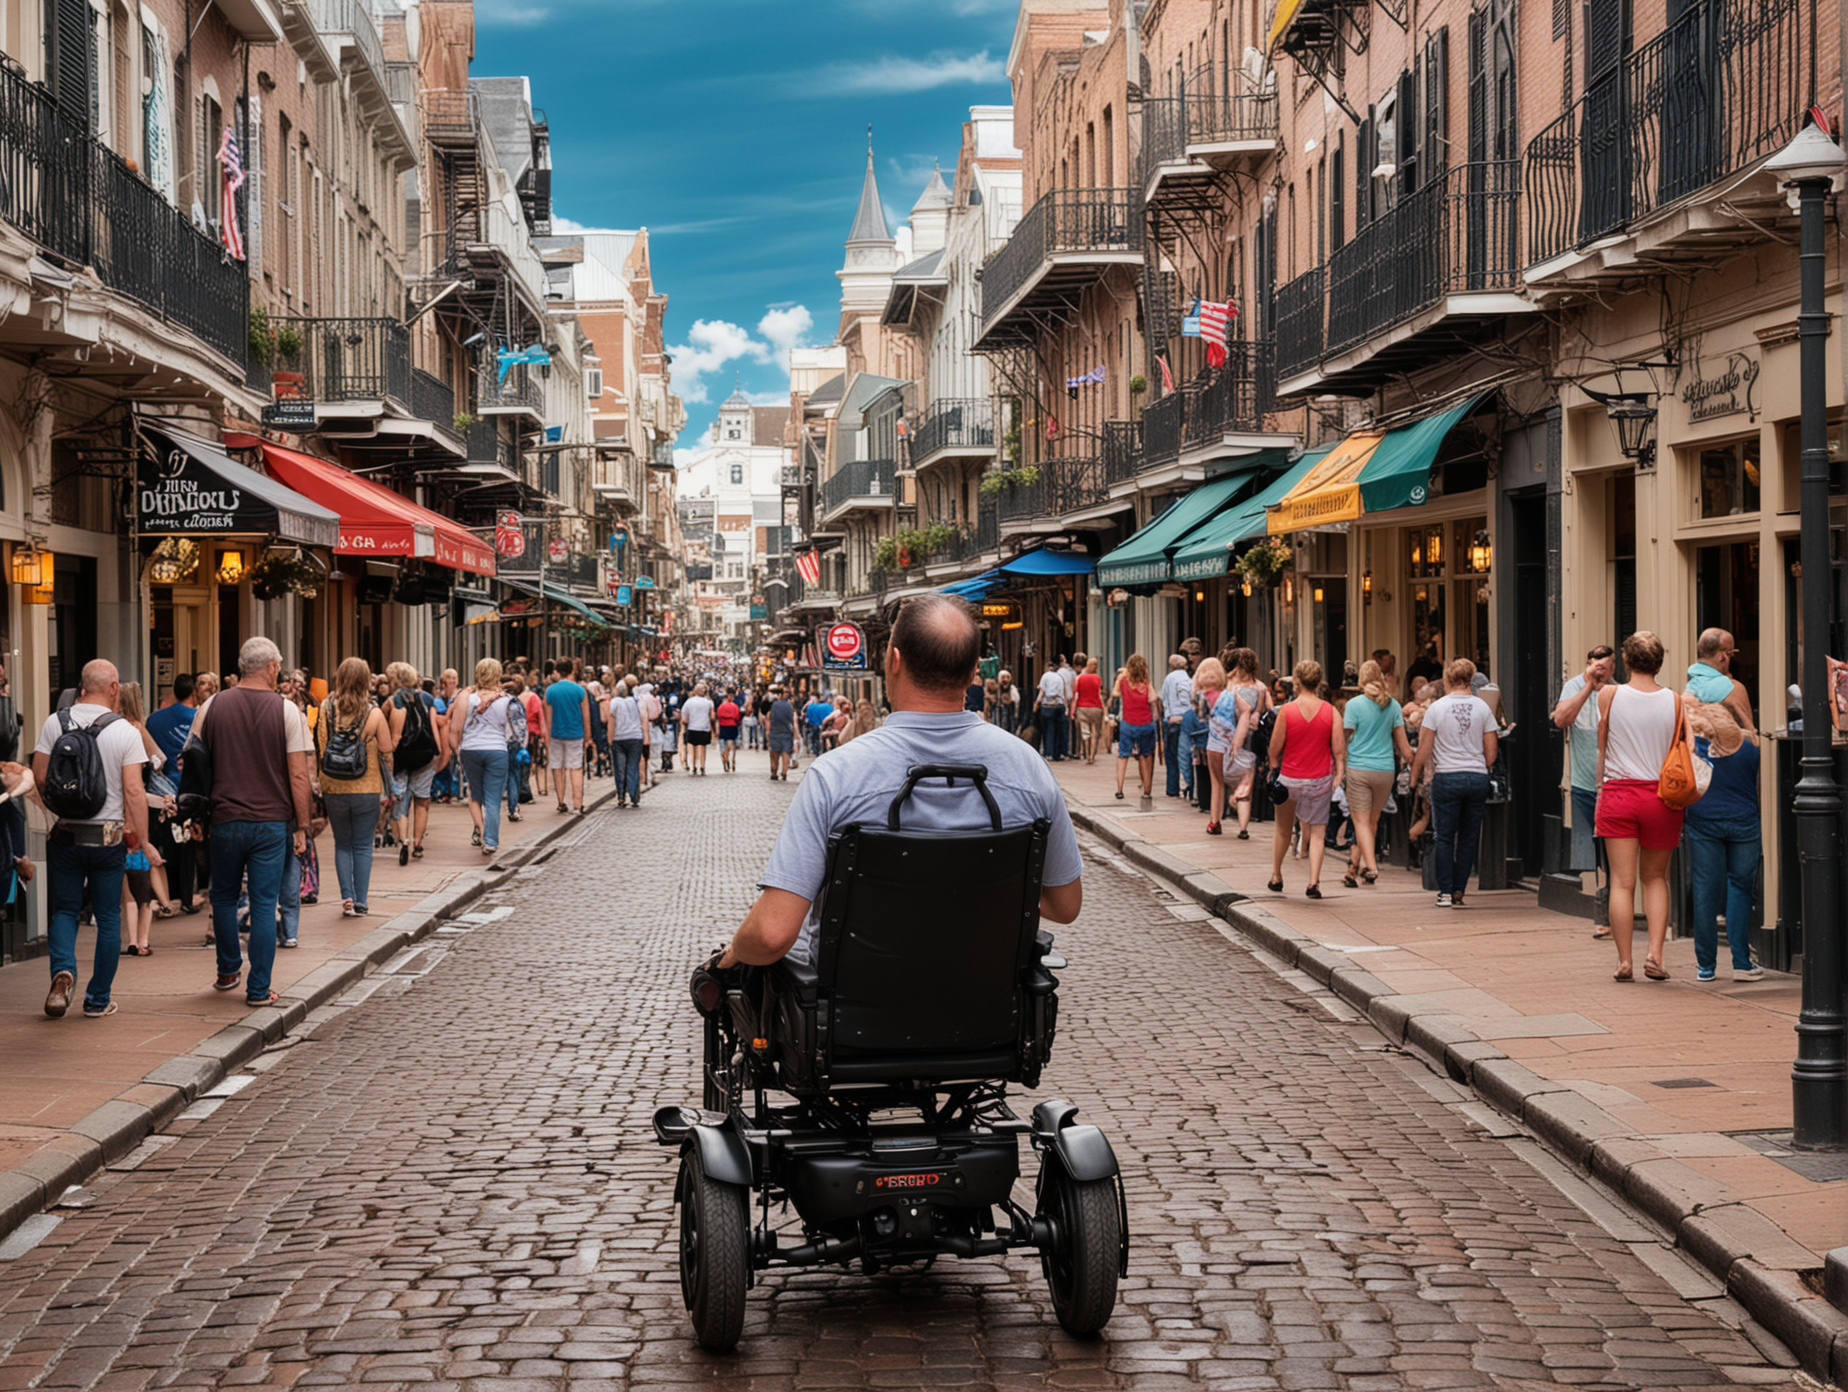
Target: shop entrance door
column 1536, row 749
column 1726, row 596
column 73, row 620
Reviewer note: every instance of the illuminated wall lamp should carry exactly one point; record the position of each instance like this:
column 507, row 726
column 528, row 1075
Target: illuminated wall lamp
column 1244, row 587
column 1634, row 420
column 41, row 593
column 1318, row 594
column 1366, row 588
column 1481, row 554
column 28, row 565
column 230, row 567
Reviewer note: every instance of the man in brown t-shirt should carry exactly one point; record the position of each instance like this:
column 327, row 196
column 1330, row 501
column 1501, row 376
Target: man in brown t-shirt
column 259, row 812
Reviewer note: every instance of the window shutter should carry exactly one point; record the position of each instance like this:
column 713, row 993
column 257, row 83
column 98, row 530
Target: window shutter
column 68, row 58
column 1436, row 153
column 1607, row 35
column 1409, row 131
column 593, row 383
column 1478, row 87
column 1363, row 174
column 1337, row 194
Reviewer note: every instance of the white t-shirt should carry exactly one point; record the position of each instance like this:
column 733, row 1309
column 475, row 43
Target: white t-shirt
column 294, row 725
column 1068, row 677
column 120, row 746
column 1455, row 726
column 698, row 711
column 1052, row 689
column 1583, row 736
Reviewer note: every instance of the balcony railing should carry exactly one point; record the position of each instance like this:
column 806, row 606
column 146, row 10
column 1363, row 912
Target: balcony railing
column 449, row 116
column 77, row 199
column 1233, row 398
column 432, row 399
column 484, row 443
column 1302, row 313
column 1162, row 423
column 1460, row 232
column 1718, row 90
column 1025, row 502
column 1122, row 451
column 966, row 423
column 350, row 360
column 1064, row 222
column 354, row 18
column 1075, row 484
column 858, row 478
column 520, row 391
column 1226, row 118
column 1164, row 134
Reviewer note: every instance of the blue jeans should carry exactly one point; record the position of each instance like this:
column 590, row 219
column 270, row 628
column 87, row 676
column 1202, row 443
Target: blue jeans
column 1723, row 856
column 1193, row 736
column 1457, row 800
column 1583, row 851
column 627, row 754
column 353, row 818
column 1052, row 732
column 1171, row 745
column 518, row 779
column 100, row 867
column 256, row 850
column 289, row 901
column 487, row 783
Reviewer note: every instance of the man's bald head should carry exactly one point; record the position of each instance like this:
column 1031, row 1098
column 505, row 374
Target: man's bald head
column 939, row 640
column 1712, row 643
column 99, row 674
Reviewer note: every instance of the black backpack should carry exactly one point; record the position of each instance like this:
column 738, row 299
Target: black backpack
column 1258, row 740
column 76, row 784
column 418, row 747
column 344, row 754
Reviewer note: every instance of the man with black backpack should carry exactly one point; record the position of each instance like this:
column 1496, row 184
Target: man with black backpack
column 416, row 758
column 87, row 766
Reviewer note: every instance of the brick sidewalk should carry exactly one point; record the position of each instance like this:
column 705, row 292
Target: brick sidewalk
column 1672, row 1092
column 74, row 1084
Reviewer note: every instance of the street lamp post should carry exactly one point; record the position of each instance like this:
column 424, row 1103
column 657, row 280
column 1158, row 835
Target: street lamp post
column 1819, row 1078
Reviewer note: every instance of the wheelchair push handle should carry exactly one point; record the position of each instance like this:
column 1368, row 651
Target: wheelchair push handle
column 975, row 773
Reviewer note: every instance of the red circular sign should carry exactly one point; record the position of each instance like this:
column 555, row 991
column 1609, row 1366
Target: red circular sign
column 844, row 641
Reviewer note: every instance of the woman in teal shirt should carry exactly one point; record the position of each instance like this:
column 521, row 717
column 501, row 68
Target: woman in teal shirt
column 1375, row 732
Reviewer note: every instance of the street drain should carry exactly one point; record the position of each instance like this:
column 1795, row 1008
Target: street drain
column 1682, row 1083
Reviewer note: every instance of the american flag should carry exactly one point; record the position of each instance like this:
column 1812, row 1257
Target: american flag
column 808, row 566
column 1167, row 375
column 231, row 161
column 1215, row 324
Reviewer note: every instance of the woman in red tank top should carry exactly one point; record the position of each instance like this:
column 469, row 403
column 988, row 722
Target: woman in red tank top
column 1136, row 730
column 1088, row 706
column 1309, row 751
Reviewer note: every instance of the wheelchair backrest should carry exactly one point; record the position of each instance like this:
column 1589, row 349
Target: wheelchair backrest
column 926, row 935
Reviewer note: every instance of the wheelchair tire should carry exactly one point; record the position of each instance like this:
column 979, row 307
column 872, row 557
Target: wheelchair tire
column 1081, row 1265
column 715, row 1254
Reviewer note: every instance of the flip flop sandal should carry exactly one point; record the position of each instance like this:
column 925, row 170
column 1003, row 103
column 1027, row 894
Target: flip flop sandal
column 1314, row 891
column 417, row 851
column 270, row 998
column 1274, row 886
column 1654, row 970
column 1623, row 974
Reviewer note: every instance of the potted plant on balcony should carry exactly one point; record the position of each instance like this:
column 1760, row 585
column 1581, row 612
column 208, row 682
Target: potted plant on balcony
column 262, row 337
column 1003, row 480
column 1265, row 560
column 1138, row 385
column 288, row 379
column 463, row 422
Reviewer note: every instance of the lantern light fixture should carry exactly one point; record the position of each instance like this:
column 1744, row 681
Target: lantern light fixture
column 41, row 593
column 28, row 565
column 1244, row 587
column 1318, row 594
column 230, row 566
column 1633, row 417
column 1435, row 548
column 1481, row 554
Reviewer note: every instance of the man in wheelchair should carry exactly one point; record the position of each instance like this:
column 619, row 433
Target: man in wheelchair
column 890, row 981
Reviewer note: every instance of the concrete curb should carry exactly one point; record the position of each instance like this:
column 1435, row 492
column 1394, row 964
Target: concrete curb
column 1754, row 1259
column 114, row 1129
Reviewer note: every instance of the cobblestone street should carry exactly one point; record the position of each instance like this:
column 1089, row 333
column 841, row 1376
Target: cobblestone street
column 448, row 1179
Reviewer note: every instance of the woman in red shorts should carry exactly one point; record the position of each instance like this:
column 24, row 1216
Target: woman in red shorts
column 1636, row 725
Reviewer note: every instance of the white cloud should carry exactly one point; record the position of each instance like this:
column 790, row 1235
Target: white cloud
column 566, row 227
column 891, row 74
column 711, row 344
column 768, row 398
column 684, row 456
column 785, row 328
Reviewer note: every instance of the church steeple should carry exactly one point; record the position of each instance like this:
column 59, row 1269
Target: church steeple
column 869, row 224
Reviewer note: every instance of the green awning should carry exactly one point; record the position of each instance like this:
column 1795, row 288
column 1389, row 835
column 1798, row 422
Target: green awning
column 560, row 597
column 1206, row 551
column 1143, row 559
column 1399, row 473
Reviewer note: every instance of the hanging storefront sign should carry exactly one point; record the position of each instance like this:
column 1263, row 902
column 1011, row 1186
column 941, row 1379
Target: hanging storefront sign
column 558, row 551
column 293, row 414
column 644, row 582
column 1729, row 392
column 1002, row 611
column 843, row 648
column 529, row 555
column 623, row 595
column 509, row 535
column 186, row 486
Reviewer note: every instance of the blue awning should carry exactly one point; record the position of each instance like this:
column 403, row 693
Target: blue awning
column 968, row 589
column 1044, row 562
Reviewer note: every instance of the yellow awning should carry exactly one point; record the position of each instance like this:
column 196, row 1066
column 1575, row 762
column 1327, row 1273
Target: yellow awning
column 1286, row 11
column 1330, row 492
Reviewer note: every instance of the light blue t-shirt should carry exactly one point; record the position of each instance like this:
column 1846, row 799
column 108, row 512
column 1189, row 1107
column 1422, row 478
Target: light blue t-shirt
column 566, row 698
column 1369, row 734
column 857, row 782
column 1708, row 683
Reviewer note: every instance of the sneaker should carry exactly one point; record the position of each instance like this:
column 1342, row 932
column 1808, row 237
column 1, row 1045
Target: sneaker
column 287, row 942
column 1704, row 974
column 1443, row 901
column 1751, row 973
column 97, row 1012
column 58, row 1000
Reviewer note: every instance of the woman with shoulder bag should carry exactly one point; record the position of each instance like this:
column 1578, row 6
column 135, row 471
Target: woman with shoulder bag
column 1375, row 731
column 479, row 728
column 353, row 738
column 1637, row 722
column 1724, row 839
column 1250, row 699
column 1309, row 751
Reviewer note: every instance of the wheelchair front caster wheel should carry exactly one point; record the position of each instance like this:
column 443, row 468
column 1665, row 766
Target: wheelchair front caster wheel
column 1081, row 1260
column 715, row 1254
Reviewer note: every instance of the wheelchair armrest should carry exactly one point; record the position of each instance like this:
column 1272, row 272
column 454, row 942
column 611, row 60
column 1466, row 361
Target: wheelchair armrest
column 798, row 979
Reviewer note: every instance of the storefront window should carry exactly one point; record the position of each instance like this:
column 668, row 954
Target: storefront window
column 1729, row 479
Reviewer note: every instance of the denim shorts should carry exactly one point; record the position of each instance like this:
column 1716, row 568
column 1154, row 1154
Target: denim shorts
column 1134, row 741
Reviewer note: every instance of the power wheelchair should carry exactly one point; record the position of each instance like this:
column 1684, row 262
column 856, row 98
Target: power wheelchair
column 931, row 992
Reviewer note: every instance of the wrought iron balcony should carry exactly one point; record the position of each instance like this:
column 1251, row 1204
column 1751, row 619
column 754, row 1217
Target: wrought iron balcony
column 1122, row 451
column 432, row 399
column 866, row 483
column 1075, row 484
column 450, row 118
column 484, row 443
column 76, row 198
column 520, row 392
column 1162, row 424
column 1024, row 502
column 1228, row 125
column 1230, row 400
column 1066, row 241
column 1436, row 271
column 1718, row 90
column 955, row 426
column 1187, row 139
column 347, row 360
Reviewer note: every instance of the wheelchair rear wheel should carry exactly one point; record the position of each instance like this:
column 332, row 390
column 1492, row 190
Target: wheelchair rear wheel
column 1081, row 1262
column 715, row 1254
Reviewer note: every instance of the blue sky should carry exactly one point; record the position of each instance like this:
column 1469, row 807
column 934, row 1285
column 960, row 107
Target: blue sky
column 735, row 131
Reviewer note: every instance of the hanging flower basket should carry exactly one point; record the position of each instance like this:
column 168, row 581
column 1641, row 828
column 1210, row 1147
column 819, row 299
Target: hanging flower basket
column 1265, row 560
column 285, row 572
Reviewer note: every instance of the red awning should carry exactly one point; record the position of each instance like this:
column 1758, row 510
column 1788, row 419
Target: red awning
column 374, row 521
